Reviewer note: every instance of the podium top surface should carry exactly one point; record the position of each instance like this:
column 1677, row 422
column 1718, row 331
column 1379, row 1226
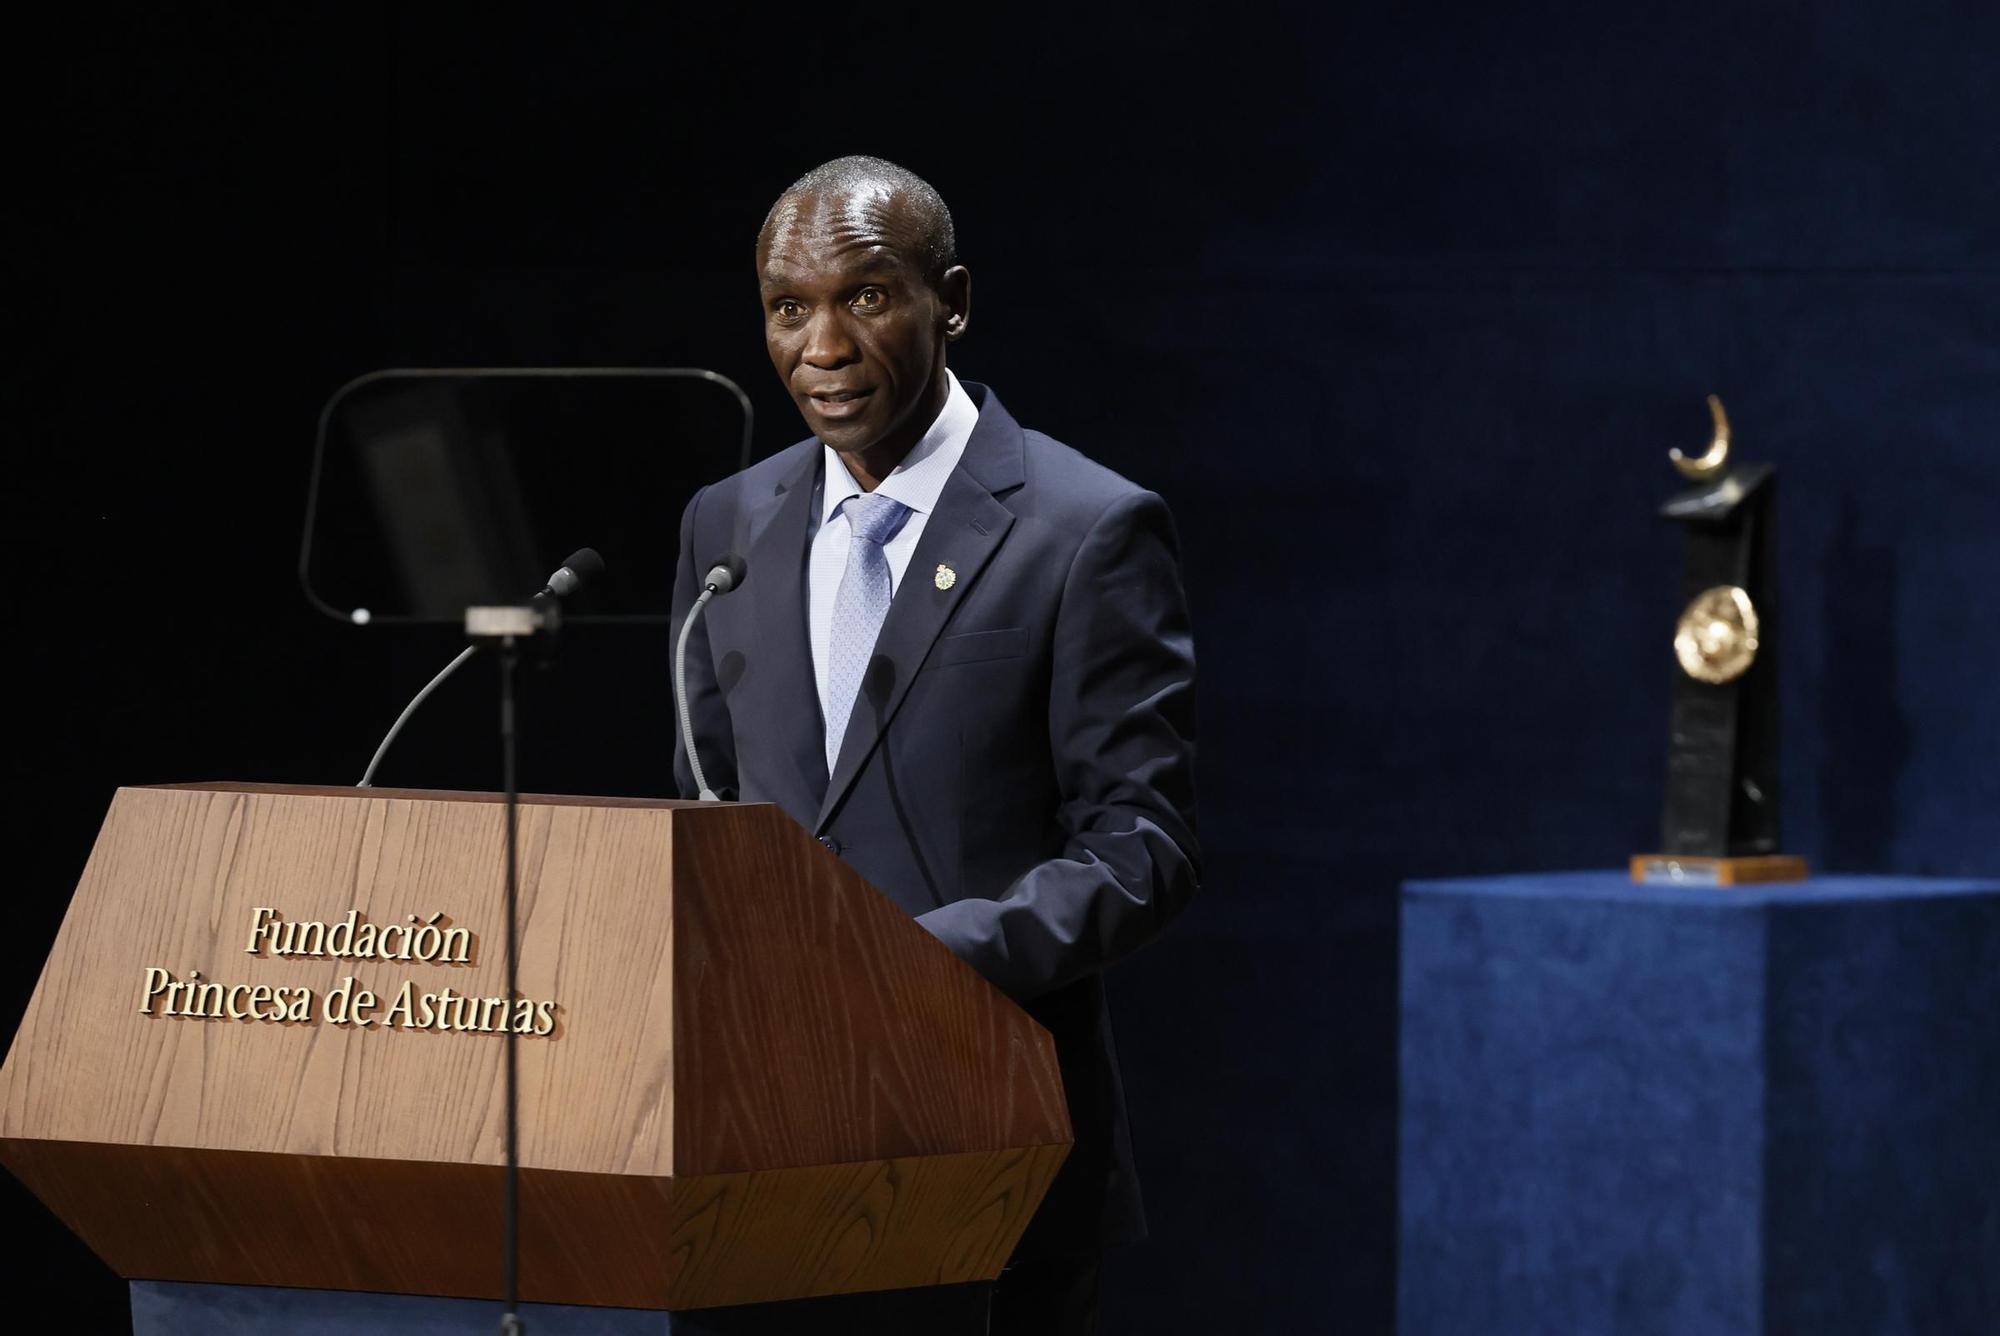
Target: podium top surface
column 1610, row 885
column 442, row 795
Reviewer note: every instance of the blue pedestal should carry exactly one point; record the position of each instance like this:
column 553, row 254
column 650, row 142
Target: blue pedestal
column 1660, row 1109
column 161, row 1308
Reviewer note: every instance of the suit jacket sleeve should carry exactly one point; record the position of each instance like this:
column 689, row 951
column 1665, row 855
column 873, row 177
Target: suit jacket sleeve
column 705, row 701
column 1121, row 729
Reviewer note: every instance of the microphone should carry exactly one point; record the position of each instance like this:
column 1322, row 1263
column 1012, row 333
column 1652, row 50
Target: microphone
column 724, row 576
column 578, row 569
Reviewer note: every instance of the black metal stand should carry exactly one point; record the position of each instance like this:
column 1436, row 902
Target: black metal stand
column 508, row 626
column 510, row 658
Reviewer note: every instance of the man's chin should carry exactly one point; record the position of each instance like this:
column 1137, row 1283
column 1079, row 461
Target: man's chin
column 846, row 437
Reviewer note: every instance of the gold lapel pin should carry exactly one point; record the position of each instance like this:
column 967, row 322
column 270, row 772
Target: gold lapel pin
column 946, row 577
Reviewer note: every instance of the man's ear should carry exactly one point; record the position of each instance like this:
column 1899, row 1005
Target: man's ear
column 955, row 291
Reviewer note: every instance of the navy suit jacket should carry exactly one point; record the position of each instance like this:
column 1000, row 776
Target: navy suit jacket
column 1018, row 769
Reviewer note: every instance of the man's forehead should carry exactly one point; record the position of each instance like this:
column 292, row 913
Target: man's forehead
column 864, row 228
column 791, row 263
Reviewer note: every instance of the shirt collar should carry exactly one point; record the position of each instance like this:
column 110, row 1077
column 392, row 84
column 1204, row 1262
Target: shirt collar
column 919, row 479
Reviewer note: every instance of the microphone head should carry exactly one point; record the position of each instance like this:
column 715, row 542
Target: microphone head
column 580, row 568
column 726, row 574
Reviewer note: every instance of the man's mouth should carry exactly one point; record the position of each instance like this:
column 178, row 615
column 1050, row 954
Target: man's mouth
column 839, row 403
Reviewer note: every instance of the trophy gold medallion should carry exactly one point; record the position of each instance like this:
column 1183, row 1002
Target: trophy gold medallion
column 1716, row 639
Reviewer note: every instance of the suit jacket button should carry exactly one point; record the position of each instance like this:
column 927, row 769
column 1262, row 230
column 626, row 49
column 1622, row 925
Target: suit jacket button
column 832, row 845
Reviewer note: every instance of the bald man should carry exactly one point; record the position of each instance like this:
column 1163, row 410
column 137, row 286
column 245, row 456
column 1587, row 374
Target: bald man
column 961, row 659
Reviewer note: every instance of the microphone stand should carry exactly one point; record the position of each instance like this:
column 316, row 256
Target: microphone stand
column 508, row 626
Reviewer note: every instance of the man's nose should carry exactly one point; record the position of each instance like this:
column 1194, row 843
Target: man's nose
column 828, row 343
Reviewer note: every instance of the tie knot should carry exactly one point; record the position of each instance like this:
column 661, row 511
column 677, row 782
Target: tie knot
column 873, row 516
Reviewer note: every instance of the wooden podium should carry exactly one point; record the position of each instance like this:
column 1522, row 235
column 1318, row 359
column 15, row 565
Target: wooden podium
column 267, row 1050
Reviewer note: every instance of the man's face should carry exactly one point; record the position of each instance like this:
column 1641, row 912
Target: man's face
column 854, row 328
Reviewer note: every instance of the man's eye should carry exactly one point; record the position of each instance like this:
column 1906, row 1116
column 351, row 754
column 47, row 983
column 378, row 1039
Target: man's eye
column 787, row 310
column 869, row 299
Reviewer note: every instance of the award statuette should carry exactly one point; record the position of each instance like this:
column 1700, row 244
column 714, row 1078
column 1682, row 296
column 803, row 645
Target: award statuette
column 1721, row 822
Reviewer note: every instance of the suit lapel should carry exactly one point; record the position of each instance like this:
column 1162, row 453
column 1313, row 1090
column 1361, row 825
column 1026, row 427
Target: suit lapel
column 781, row 537
column 962, row 534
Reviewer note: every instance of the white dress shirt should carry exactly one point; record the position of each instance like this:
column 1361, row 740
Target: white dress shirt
column 916, row 482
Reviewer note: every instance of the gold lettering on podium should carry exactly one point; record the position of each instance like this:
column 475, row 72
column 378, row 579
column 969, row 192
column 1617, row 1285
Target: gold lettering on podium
column 431, row 939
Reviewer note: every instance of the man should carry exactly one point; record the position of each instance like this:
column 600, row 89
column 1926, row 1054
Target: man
column 961, row 658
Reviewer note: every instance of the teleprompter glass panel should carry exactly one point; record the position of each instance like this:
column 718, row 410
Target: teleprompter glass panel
column 434, row 491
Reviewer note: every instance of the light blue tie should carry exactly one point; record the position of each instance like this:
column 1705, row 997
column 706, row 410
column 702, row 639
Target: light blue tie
column 858, row 608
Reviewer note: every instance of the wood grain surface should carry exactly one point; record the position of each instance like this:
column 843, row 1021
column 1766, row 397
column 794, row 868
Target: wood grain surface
column 764, row 1082
column 813, row 1029
column 620, row 1240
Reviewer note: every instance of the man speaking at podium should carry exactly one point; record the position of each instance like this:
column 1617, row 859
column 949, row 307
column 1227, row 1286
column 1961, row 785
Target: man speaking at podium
column 961, row 658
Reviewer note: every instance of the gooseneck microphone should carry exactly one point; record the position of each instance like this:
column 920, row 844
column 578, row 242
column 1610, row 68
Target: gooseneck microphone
column 726, row 574
column 578, row 569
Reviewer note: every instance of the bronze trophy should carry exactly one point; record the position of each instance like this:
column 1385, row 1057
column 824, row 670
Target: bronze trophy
column 1720, row 826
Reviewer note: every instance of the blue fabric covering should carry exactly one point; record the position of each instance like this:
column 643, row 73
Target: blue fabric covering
column 161, row 1308
column 1643, row 1109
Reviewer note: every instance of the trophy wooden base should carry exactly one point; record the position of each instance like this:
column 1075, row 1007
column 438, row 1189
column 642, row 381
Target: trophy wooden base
column 1693, row 870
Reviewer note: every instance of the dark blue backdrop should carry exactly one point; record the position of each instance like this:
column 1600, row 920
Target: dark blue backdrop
column 1400, row 309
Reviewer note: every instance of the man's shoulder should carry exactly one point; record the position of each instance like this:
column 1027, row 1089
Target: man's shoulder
column 767, row 477
column 1057, row 482
column 1064, row 486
